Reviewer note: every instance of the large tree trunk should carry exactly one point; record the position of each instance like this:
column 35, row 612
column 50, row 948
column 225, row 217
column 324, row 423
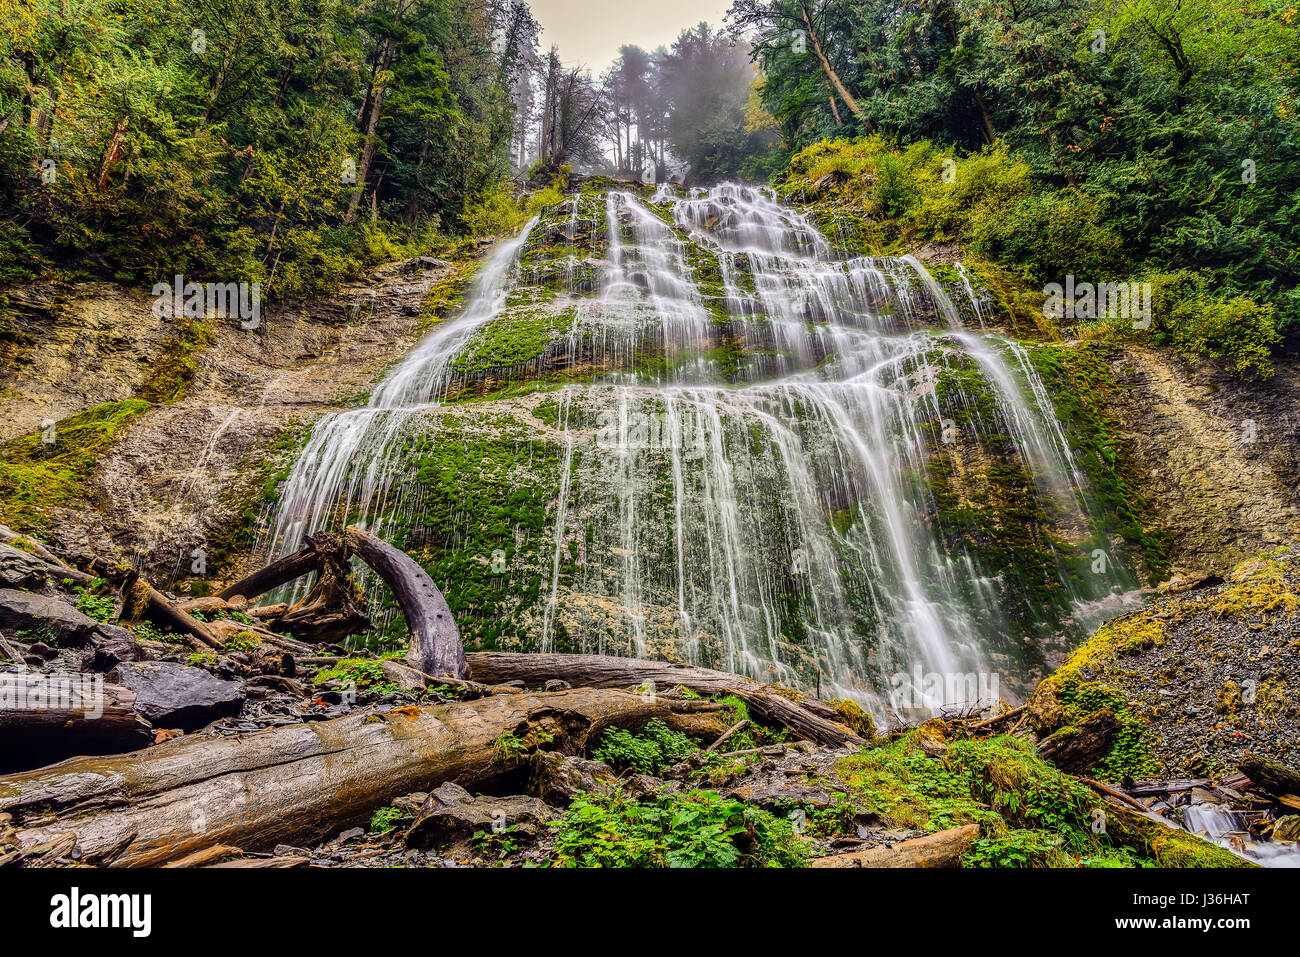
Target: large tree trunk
column 302, row 783
column 807, row 717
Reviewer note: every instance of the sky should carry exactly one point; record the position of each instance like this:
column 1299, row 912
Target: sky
column 589, row 32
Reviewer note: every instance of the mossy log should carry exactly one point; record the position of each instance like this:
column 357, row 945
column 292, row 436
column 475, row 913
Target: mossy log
column 1270, row 775
column 305, row 782
column 942, row 849
column 1167, row 844
column 1076, row 748
column 807, row 717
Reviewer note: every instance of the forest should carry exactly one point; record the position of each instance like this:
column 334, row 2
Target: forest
column 854, row 434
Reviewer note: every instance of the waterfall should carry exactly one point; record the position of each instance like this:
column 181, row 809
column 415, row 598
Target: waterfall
column 741, row 471
column 352, row 458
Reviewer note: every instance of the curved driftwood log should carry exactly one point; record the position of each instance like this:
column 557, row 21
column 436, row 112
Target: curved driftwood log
column 435, row 647
column 807, row 717
column 300, row 783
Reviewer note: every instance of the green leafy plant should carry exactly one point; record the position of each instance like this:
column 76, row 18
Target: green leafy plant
column 699, row 829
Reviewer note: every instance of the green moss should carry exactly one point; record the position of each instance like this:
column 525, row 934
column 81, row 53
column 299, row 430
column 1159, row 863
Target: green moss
column 512, row 341
column 174, row 369
column 37, row 476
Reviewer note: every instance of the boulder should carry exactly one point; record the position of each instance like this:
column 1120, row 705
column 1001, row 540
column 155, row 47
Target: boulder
column 931, row 738
column 108, row 647
column 171, row 695
column 558, row 779
column 440, row 823
column 20, row 569
column 1287, row 828
column 25, row 611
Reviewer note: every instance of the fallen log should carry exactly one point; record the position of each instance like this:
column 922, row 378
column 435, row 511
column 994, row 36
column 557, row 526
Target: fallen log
column 807, row 717
column 46, row 718
column 1153, row 836
column 301, row 783
column 435, row 647
column 1272, row 776
column 943, row 849
column 728, row 734
column 281, row 572
column 328, row 613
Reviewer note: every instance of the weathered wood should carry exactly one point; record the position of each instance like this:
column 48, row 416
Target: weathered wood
column 158, row 606
column 805, row 716
column 1077, row 748
column 280, row 572
column 943, row 849
column 44, row 719
column 1272, row 776
column 435, row 647
column 728, row 735
column 300, row 783
column 331, row 611
column 207, row 856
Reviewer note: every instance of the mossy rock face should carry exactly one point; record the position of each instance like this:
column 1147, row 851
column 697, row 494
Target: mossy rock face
column 1192, row 678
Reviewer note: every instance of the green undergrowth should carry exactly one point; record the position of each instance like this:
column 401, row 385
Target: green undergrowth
column 656, row 748
column 1029, row 813
column 697, row 829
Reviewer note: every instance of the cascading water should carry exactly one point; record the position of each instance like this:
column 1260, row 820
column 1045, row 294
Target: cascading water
column 740, row 469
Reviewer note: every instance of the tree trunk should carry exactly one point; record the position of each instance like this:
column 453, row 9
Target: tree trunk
column 1270, row 775
column 302, row 783
column 381, row 81
column 807, row 717
column 435, row 647
column 833, row 78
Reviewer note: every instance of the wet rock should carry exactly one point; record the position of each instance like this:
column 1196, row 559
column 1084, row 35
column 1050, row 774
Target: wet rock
column 20, row 569
column 177, row 696
column 411, row 803
column 558, row 779
column 440, row 823
column 931, row 738
column 22, row 611
column 1203, row 796
column 1287, row 828
column 352, row 834
column 108, row 647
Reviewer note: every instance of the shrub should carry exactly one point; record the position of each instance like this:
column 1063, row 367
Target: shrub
column 1053, row 234
column 496, row 211
column 656, row 748
column 699, row 829
column 1197, row 323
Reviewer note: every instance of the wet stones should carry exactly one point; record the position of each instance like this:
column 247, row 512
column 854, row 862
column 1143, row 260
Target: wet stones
column 171, row 695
